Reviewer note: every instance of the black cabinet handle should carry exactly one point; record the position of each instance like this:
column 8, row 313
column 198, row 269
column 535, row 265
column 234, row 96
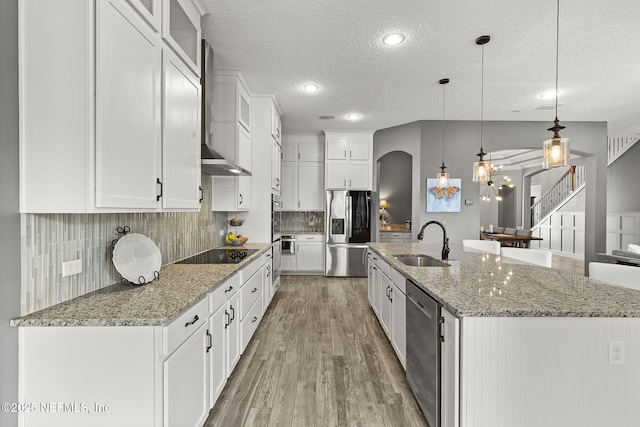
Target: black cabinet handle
column 159, row 196
column 233, row 313
column 391, row 294
column 227, row 322
column 241, row 199
column 201, row 194
column 441, row 327
column 254, row 290
column 195, row 319
column 228, row 290
column 255, row 319
column 209, row 341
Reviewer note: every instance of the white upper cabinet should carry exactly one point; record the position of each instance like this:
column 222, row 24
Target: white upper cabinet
column 150, row 10
column 181, row 139
column 114, row 123
column 128, row 99
column 181, row 30
column 302, row 172
column 231, row 116
column 275, row 124
column 348, row 160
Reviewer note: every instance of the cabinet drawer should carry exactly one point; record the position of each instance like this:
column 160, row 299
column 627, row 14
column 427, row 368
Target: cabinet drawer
column 176, row 332
column 383, row 266
column 309, row 237
column 266, row 257
column 250, row 323
column 399, row 280
column 251, row 292
column 247, row 272
column 223, row 292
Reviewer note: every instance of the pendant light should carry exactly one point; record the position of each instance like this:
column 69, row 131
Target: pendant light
column 443, row 177
column 555, row 151
column 482, row 168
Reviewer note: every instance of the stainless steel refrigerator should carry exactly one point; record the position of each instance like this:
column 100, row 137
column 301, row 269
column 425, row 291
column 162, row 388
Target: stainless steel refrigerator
column 347, row 230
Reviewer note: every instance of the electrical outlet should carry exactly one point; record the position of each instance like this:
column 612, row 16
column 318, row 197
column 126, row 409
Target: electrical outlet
column 616, row 352
column 222, row 232
column 70, row 268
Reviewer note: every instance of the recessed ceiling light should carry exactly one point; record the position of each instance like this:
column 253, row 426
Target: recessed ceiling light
column 393, row 39
column 311, row 88
column 353, row 116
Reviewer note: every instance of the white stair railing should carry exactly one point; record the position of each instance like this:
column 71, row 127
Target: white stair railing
column 559, row 192
column 618, row 146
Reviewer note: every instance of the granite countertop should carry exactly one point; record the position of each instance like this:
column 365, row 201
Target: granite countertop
column 479, row 284
column 295, row 233
column 157, row 303
column 394, row 228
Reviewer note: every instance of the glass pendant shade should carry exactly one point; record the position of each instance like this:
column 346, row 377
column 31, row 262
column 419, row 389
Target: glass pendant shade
column 481, row 171
column 555, row 153
column 443, row 179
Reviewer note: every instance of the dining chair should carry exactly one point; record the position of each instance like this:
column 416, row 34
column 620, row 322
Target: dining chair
column 498, row 230
column 482, row 245
column 540, row 257
column 616, row 274
column 509, row 230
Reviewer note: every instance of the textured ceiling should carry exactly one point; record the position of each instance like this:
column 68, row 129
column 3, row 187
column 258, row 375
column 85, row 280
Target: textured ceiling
column 282, row 44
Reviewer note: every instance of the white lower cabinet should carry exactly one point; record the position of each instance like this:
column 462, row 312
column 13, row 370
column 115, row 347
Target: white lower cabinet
column 143, row 376
column 232, row 327
column 217, row 354
column 387, row 297
column 186, row 399
column 310, row 253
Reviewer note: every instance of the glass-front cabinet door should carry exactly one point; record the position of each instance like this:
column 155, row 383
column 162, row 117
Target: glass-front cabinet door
column 181, row 31
column 150, row 10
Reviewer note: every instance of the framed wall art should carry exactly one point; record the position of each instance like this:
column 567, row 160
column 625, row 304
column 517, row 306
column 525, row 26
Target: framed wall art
column 443, row 199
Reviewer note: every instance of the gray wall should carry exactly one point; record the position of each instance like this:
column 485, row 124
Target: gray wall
column 589, row 139
column 623, row 189
column 9, row 217
column 395, row 183
column 401, row 138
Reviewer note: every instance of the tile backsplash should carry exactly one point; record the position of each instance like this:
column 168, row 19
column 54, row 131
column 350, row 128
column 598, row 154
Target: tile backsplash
column 302, row 222
column 47, row 240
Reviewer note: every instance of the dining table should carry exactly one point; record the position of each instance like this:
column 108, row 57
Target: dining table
column 521, row 241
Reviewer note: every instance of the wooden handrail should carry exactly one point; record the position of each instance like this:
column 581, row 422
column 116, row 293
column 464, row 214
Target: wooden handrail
column 572, row 171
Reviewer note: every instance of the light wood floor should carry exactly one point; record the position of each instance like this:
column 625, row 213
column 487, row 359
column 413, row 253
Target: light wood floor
column 568, row 264
column 318, row 358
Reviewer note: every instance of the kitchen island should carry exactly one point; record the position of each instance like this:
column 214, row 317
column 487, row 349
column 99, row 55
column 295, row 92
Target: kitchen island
column 532, row 345
column 154, row 355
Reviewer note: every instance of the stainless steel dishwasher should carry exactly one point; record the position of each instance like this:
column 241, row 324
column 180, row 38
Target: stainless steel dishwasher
column 423, row 351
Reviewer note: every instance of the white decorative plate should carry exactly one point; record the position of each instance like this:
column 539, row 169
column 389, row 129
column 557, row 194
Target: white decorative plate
column 136, row 257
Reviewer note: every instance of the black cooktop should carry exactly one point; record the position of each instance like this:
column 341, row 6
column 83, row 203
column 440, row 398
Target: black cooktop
column 219, row 256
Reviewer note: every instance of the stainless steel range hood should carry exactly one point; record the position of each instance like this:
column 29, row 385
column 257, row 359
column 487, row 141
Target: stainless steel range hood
column 212, row 163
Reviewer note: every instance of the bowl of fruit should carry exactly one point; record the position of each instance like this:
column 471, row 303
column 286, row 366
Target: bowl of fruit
column 233, row 240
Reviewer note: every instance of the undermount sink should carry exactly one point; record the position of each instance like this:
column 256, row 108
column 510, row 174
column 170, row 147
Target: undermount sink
column 420, row 261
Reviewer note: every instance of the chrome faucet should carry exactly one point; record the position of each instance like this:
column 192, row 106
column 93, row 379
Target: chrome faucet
column 445, row 239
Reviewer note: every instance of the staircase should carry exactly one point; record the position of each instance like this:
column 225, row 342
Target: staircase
column 558, row 195
column 618, row 146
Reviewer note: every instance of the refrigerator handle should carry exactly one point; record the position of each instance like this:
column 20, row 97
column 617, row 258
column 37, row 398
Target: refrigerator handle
column 349, row 219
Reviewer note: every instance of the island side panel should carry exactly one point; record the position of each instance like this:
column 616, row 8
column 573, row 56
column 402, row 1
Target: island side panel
column 552, row 371
column 80, row 376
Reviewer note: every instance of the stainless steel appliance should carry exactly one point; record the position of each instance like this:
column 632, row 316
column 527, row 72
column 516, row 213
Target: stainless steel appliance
column 423, row 351
column 276, row 221
column 289, row 245
column 347, row 230
column 213, row 163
